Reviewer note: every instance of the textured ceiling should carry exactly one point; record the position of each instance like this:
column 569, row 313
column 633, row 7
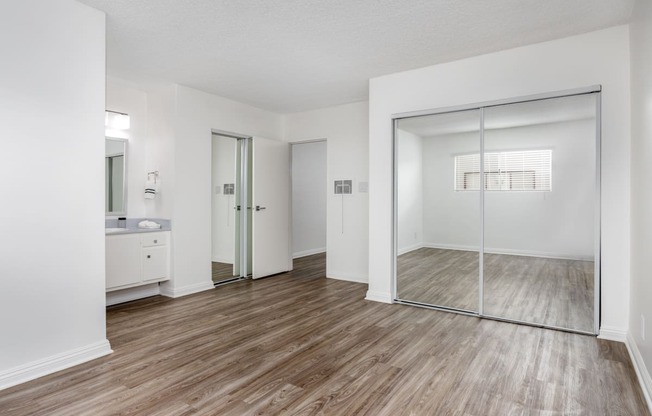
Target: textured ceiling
column 295, row 55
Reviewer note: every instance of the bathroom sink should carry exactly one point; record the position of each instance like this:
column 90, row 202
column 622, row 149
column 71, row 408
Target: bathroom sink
column 113, row 230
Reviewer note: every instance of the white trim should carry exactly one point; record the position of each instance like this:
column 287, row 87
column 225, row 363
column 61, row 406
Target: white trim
column 221, row 260
column 382, row 297
column 494, row 103
column 54, row 363
column 310, row 252
column 642, row 373
column 408, row 249
column 172, row 292
column 307, row 141
column 133, row 293
column 511, row 252
column 613, row 334
column 348, row 277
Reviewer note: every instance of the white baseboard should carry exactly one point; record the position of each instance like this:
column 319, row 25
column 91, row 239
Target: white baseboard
column 613, row 334
column 511, row 252
column 348, row 277
column 305, row 253
column 171, row 292
column 133, row 293
column 641, row 370
column 407, row 249
column 450, row 247
column 221, row 260
column 379, row 297
column 54, row 363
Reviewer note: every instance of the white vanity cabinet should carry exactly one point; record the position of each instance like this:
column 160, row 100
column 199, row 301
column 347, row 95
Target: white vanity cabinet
column 137, row 259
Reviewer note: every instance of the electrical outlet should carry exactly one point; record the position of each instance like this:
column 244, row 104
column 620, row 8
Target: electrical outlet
column 643, row 327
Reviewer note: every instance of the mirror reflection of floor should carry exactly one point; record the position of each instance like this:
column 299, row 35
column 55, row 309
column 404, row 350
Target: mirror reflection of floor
column 553, row 292
column 222, row 271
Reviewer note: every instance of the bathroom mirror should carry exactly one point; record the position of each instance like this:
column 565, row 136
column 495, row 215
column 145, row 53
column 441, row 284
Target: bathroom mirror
column 115, row 166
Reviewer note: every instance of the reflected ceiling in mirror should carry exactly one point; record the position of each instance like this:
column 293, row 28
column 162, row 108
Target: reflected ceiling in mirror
column 577, row 107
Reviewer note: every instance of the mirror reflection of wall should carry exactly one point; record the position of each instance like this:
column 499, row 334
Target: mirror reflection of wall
column 530, row 207
column 115, row 174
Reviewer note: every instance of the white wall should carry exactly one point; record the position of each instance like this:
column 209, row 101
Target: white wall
column 641, row 226
column 195, row 114
column 124, row 98
column 346, row 129
column 308, row 198
column 160, row 150
column 410, row 191
column 223, row 214
column 52, row 311
column 600, row 57
column 550, row 224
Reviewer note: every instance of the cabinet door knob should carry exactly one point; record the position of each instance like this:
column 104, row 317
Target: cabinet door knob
column 149, row 256
column 155, row 241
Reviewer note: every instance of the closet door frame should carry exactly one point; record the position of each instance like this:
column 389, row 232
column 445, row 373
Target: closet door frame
column 595, row 89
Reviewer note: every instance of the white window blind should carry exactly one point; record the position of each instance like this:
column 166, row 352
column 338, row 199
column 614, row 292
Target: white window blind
column 528, row 170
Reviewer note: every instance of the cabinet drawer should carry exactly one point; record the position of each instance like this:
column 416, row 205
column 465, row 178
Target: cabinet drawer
column 155, row 263
column 155, row 239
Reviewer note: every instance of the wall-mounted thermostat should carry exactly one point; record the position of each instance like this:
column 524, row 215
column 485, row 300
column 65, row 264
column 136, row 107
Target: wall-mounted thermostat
column 344, row 187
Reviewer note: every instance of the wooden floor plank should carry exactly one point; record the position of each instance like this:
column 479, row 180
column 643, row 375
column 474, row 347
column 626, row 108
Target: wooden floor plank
column 302, row 344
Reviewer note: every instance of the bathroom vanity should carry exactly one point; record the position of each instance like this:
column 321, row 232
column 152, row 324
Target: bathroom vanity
column 136, row 257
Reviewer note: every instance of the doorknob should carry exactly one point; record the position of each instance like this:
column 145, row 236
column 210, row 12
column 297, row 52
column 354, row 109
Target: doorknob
column 259, row 208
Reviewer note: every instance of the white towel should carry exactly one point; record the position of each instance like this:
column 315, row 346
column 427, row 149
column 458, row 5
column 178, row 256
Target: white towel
column 151, row 189
column 148, row 224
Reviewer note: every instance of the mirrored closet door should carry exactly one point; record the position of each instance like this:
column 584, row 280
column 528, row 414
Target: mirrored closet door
column 497, row 210
column 539, row 211
column 438, row 209
column 231, row 216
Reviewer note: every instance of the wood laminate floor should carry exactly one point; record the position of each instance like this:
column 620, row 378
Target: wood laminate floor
column 301, row 344
column 222, row 271
column 532, row 289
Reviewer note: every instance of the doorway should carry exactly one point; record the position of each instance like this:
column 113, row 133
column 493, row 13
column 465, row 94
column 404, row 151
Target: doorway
column 309, row 191
column 497, row 210
column 250, row 207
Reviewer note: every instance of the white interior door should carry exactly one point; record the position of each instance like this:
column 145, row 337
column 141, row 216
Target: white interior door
column 271, row 207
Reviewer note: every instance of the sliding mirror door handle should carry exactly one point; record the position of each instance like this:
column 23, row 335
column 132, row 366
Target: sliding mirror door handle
column 259, row 208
